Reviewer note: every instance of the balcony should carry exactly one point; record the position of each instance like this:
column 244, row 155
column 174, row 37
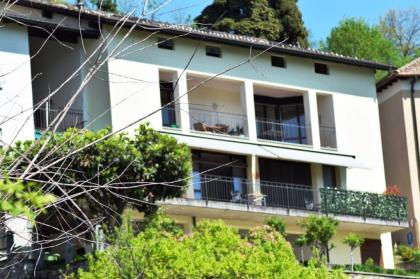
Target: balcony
column 302, row 197
column 43, row 117
column 282, row 132
column 218, row 122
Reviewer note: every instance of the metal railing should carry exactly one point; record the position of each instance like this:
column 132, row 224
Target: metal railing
column 43, row 117
column 283, row 132
column 218, row 122
column 303, row 197
column 169, row 117
column 328, row 137
column 289, row 195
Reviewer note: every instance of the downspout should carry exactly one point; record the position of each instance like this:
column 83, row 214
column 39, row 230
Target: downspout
column 416, row 137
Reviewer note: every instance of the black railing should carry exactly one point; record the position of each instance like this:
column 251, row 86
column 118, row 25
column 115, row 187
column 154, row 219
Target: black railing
column 328, row 137
column 283, row 132
column 44, row 117
column 304, row 197
column 364, row 204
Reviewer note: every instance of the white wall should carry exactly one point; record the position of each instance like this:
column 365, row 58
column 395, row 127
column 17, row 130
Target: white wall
column 15, row 81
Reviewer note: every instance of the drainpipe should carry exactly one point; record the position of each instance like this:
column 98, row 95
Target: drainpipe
column 416, row 137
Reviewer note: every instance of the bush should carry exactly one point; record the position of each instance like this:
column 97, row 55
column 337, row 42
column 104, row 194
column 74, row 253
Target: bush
column 213, row 250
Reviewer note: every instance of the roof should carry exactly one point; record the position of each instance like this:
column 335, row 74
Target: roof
column 411, row 69
column 207, row 35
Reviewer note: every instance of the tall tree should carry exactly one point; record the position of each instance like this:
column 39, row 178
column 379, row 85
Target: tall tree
column 275, row 20
column 355, row 37
column 403, row 29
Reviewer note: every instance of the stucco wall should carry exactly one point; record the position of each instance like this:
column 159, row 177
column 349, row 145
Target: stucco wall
column 15, row 81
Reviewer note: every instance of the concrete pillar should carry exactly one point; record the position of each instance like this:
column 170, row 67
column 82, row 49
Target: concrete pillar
column 254, row 173
column 317, row 181
column 387, row 251
column 182, row 106
column 248, row 106
column 22, row 230
column 311, row 117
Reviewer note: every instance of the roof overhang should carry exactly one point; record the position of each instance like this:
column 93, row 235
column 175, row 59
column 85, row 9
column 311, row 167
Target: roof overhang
column 266, row 150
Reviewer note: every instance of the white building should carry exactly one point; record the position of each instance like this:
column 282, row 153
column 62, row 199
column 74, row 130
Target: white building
column 269, row 125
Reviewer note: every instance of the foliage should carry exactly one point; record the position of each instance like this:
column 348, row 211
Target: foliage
column 277, row 224
column 301, row 241
column 147, row 167
column 22, row 199
column 275, row 20
column 213, row 250
column 340, row 201
column 402, row 28
column 106, row 5
column 319, row 230
column 355, row 37
column 408, row 254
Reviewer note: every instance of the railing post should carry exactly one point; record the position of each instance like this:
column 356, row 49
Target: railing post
column 325, row 200
column 287, row 200
column 207, row 193
column 47, row 114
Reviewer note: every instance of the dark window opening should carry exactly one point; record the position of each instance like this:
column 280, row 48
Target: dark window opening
column 278, row 62
column 166, row 43
column 321, row 69
column 330, row 178
column 47, row 14
column 167, row 98
column 213, row 51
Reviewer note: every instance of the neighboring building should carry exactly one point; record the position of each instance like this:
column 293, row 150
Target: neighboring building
column 267, row 135
column 399, row 108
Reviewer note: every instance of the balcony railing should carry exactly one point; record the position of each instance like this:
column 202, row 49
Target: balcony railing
column 303, row 197
column 218, row 122
column 43, row 118
column 365, row 204
column 283, row 132
column 328, row 137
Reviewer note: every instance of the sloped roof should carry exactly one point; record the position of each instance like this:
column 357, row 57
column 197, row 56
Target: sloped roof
column 411, row 69
column 204, row 34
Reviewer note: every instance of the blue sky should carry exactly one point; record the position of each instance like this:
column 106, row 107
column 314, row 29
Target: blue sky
column 319, row 15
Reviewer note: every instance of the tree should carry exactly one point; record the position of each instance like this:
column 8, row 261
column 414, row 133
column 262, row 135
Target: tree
column 212, row 250
column 106, row 5
column 300, row 241
column 277, row 224
column 354, row 37
column 403, row 29
column 105, row 173
column 319, row 230
column 354, row 241
column 275, row 20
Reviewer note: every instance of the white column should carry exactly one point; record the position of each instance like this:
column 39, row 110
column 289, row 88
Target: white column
column 247, row 101
column 254, row 173
column 311, row 117
column 387, row 250
column 182, row 105
column 22, row 230
column 317, row 181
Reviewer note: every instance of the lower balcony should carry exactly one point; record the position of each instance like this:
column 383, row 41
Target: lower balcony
column 335, row 201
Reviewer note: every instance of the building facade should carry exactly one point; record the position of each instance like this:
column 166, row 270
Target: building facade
column 274, row 130
column 399, row 100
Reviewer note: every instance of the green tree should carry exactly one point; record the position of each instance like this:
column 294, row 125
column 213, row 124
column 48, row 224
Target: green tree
column 275, row 20
column 277, row 224
column 319, row 230
column 103, row 178
column 106, row 5
column 212, row 250
column 355, row 37
column 354, row 241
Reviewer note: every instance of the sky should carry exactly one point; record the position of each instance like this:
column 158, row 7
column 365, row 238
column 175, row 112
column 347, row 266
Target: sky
column 320, row 16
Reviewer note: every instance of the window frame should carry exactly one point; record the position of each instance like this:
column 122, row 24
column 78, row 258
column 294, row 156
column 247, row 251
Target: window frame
column 320, row 67
column 283, row 63
column 165, row 43
column 210, row 54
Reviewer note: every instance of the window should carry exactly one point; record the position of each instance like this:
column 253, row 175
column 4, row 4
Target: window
column 277, row 61
column 321, row 69
column 328, row 173
column 166, row 43
column 47, row 14
column 213, row 51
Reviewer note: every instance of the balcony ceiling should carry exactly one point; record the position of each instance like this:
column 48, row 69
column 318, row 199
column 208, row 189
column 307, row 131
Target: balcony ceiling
column 217, row 83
